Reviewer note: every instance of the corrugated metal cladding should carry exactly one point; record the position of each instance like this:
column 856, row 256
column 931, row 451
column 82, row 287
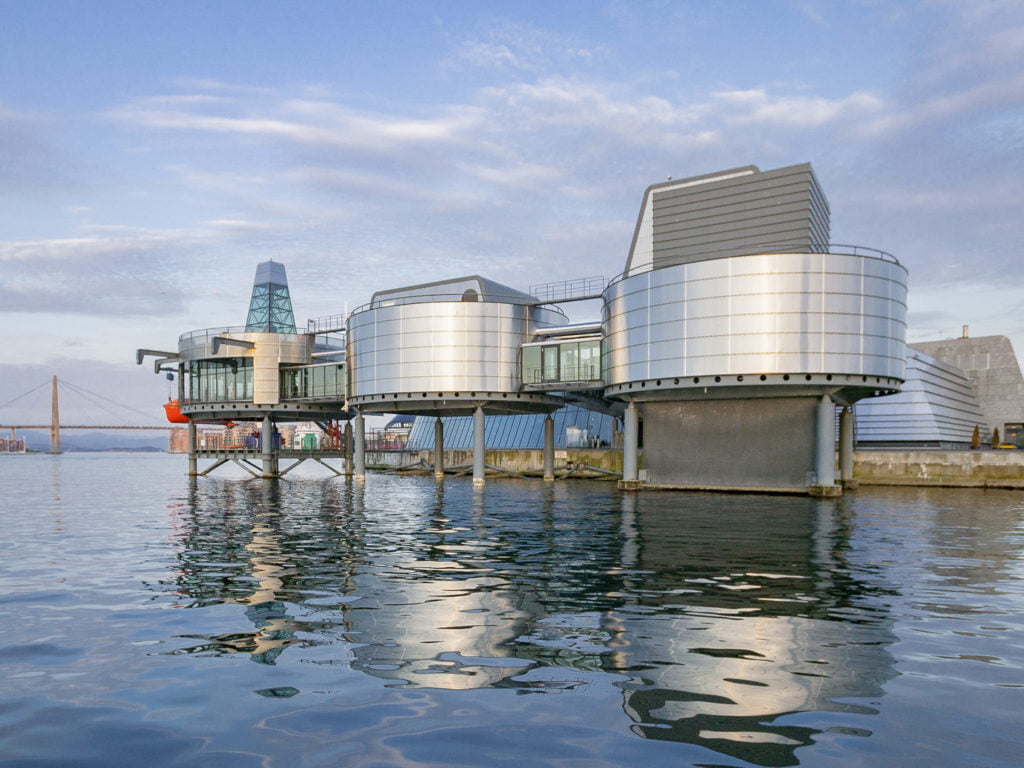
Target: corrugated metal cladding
column 575, row 427
column 740, row 215
column 937, row 407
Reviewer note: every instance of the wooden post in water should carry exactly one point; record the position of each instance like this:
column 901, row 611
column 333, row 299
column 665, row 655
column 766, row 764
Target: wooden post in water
column 54, row 420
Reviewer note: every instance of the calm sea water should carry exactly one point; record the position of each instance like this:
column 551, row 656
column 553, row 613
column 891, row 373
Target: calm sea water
column 152, row 620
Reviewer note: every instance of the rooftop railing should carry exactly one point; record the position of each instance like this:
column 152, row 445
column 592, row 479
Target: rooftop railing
column 569, row 290
column 770, row 248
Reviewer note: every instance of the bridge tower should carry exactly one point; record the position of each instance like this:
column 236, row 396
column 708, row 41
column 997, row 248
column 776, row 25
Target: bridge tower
column 54, row 420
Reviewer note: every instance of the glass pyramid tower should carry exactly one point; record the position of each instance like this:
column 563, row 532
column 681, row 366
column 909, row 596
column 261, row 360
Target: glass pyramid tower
column 270, row 308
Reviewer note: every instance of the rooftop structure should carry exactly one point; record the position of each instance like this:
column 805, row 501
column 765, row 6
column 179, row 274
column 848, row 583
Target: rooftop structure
column 270, row 308
column 731, row 213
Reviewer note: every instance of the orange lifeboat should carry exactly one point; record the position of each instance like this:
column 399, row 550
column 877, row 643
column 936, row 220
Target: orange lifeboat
column 173, row 412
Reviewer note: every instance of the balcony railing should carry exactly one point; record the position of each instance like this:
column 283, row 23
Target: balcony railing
column 565, row 374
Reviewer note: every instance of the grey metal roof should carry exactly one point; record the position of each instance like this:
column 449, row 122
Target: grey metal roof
column 454, row 289
column 270, row 272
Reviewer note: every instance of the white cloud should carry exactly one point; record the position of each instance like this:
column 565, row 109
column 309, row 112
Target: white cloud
column 971, row 102
column 507, row 45
column 303, row 122
column 756, row 106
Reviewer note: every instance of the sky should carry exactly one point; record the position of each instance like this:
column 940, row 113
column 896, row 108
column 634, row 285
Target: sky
column 152, row 154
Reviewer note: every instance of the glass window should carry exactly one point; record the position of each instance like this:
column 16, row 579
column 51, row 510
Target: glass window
column 531, row 365
column 590, row 360
column 569, row 361
column 549, row 363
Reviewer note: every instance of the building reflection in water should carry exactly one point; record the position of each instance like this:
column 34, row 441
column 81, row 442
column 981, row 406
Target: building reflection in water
column 716, row 615
column 742, row 618
column 239, row 547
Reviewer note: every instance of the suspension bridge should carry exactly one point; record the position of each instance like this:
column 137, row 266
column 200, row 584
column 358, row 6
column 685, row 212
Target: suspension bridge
column 105, row 404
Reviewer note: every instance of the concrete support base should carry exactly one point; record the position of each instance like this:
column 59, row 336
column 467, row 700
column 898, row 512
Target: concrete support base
column 762, row 444
column 630, row 485
column 825, row 491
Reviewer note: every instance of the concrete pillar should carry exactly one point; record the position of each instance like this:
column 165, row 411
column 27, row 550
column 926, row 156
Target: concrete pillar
column 347, row 448
column 359, row 447
column 479, row 447
column 267, row 443
column 193, row 463
column 825, row 443
column 549, row 448
column 846, row 446
column 630, row 446
column 54, row 420
column 438, row 448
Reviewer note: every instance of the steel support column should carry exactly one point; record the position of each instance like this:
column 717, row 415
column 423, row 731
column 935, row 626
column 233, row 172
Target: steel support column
column 549, row 448
column 438, row 448
column 359, row 446
column 348, row 448
column 630, row 446
column 479, row 447
column 193, row 461
column 825, row 443
column 267, row 445
column 846, row 446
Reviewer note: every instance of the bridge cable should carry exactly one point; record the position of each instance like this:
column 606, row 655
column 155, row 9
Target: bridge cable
column 95, row 400
column 83, row 390
column 26, row 394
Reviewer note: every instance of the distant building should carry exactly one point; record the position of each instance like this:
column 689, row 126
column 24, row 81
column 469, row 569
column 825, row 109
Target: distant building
column 13, row 445
column 991, row 366
column 177, row 440
column 574, row 427
column 937, row 408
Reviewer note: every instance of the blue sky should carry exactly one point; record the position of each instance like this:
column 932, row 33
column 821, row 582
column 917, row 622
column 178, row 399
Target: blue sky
column 151, row 154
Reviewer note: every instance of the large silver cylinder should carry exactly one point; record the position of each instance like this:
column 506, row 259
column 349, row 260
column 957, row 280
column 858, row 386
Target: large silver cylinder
column 767, row 314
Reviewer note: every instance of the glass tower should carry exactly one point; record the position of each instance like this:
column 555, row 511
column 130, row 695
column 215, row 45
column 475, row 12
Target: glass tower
column 270, row 308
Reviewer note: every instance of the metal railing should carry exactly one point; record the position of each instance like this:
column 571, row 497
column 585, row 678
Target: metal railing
column 841, row 249
column 209, row 332
column 565, row 374
column 568, row 290
column 427, row 298
column 328, row 324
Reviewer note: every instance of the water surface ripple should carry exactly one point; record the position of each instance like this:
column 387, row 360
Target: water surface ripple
column 155, row 620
